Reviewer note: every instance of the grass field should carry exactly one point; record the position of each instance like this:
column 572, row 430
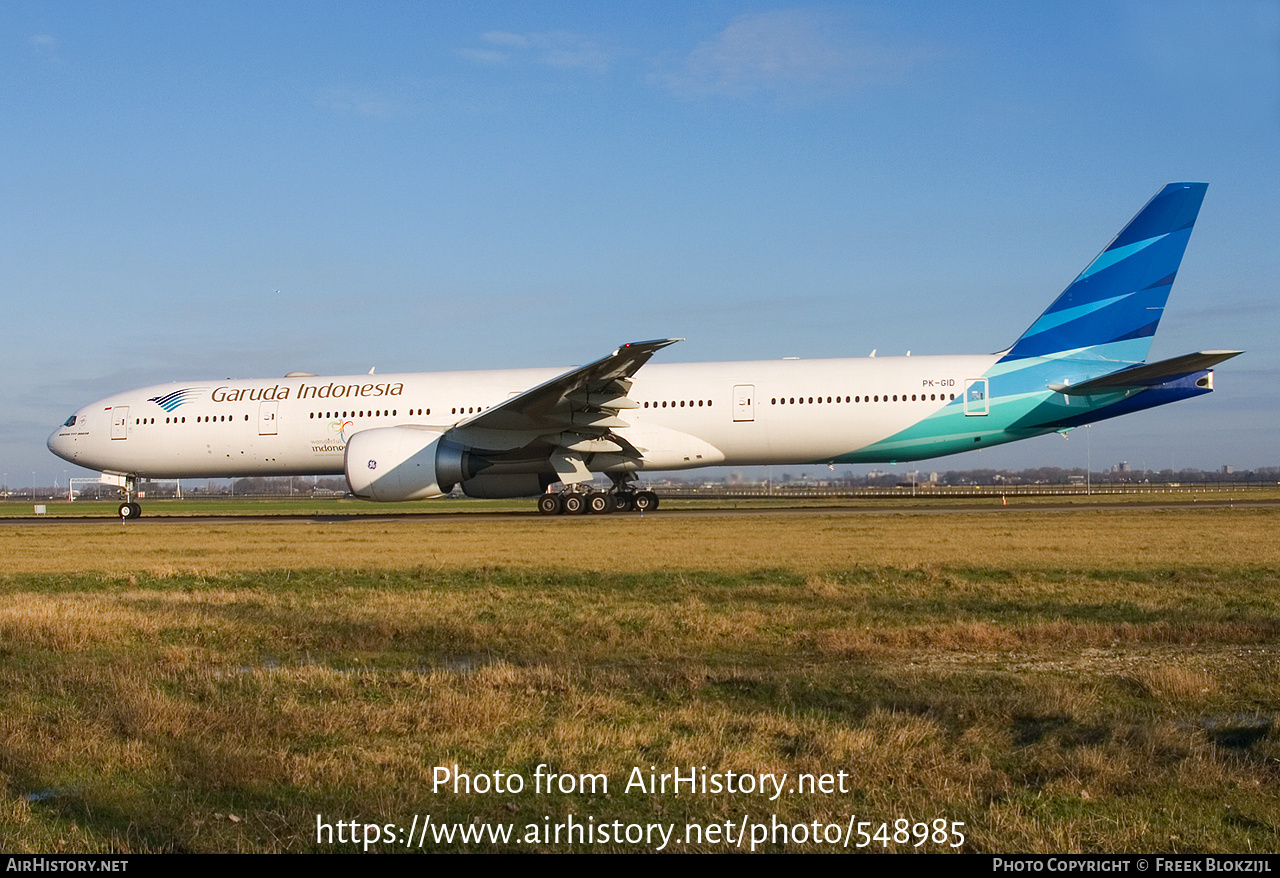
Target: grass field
column 1083, row 680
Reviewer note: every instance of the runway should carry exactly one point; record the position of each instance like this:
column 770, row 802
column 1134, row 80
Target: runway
column 992, row 506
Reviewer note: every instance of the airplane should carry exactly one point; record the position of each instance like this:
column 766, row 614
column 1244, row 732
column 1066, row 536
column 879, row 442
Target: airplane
column 520, row 432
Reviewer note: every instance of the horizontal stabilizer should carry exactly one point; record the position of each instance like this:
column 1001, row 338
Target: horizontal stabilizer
column 1147, row 375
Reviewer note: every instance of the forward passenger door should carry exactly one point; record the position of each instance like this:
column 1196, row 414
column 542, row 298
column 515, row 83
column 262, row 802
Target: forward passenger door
column 744, row 402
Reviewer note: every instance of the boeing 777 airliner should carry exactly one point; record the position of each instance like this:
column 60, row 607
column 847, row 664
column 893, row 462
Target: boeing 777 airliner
column 516, row 433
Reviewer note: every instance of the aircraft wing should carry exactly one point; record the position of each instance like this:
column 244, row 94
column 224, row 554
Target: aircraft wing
column 1147, row 374
column 587, row 397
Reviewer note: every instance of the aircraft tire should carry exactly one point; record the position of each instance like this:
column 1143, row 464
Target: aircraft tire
column 625, row 502
column 550, row 504
column 574, row 504
column 646, row 501
column 130, row 510
column 600, row 503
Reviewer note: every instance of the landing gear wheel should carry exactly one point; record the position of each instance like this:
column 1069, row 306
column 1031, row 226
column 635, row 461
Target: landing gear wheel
column 574, row 504
column 625, row 502
column 646, row 501
column 599, row 503
column 130, row 510
column 550, row 504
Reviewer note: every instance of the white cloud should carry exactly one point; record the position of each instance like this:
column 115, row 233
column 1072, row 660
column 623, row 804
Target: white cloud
column 559, row 49
column 788, row 53
column 485, row 56
column 502, row 38
column 360, row 102
column 45, row 46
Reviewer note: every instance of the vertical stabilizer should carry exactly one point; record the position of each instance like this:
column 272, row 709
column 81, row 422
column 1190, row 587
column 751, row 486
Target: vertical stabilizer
column 1111, row 311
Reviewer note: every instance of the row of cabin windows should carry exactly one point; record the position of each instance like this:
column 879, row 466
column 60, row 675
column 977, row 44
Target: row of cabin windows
column 213, row 419
column 467, row 410
column 678, row 404
column 379, row 413
column 813, row 400
column 456, row 410
column 372, row 413
column 205, row 419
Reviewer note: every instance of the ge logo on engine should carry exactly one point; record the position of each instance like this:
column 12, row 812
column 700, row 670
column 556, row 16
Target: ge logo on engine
column 373, row 464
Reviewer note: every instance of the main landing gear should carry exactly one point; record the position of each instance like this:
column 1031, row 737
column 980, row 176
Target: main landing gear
column 597, row 502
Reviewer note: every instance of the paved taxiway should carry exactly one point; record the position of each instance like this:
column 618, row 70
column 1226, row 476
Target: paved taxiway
column 991, row 508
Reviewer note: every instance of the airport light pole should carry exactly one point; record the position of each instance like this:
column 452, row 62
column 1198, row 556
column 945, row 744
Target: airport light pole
column 1088, row 462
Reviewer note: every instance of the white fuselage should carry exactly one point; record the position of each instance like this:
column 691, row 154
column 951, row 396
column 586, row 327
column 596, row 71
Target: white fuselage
column 690, row 415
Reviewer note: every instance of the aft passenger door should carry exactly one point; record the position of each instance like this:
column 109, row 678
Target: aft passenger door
column 975, row 397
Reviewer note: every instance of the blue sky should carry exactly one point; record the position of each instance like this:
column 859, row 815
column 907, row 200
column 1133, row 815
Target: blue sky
column 244, row 189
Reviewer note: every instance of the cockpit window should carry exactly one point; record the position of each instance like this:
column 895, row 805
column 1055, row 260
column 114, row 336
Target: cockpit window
column 71, row 421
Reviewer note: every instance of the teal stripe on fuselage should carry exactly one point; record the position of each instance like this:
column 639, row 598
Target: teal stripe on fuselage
column 1020, row 405
column 951, row 431
column 1035, row 374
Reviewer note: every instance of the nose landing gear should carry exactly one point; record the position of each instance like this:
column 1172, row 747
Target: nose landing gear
column 130, row 508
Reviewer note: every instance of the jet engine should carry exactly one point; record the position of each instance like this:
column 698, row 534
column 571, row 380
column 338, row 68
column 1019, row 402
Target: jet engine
column 406, row 463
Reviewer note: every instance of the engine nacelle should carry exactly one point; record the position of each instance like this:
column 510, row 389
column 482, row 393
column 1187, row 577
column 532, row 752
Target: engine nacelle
column 405, row 463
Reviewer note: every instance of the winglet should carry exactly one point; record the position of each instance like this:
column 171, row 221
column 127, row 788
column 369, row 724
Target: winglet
column 652, row 346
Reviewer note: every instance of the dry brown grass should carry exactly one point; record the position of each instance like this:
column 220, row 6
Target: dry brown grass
column 809, row 543
column 1178, row 683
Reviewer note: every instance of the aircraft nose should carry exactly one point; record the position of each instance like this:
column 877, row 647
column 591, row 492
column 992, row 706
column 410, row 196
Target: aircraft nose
column 60, row 443
column 55, row 443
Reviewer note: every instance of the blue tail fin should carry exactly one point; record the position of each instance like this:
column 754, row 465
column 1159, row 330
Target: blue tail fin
column 1111, row 311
